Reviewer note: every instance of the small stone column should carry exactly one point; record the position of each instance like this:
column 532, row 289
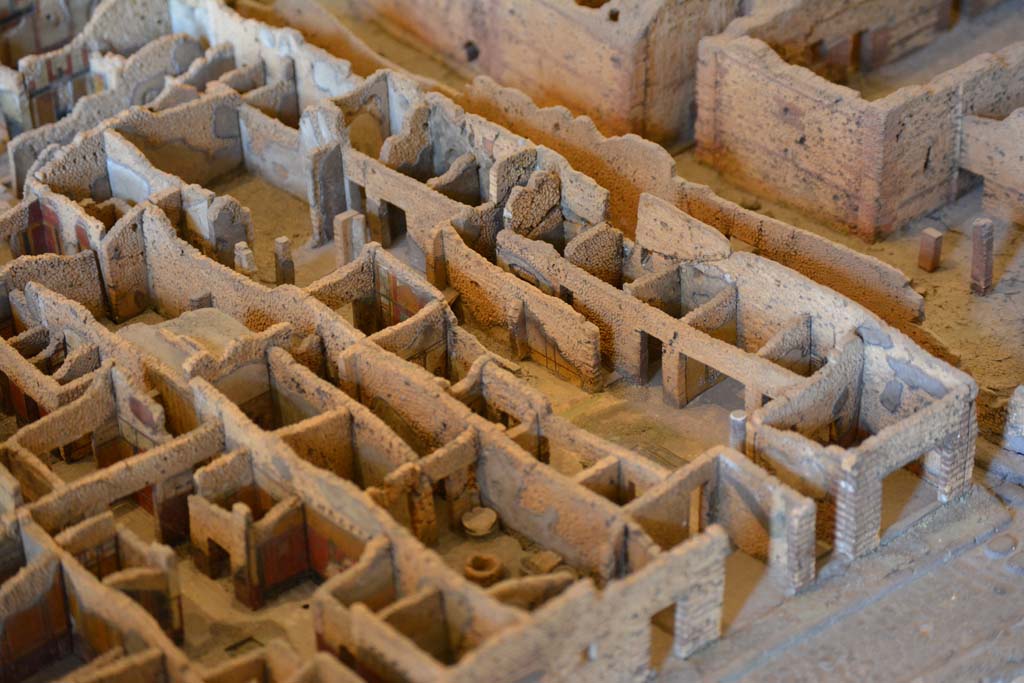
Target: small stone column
column 422, row 514
column 929, row 256
column 377, row 220
column 738, row 430
column 284, row 265
column 858, row 499
column 350, row 235
column 353, row 196
column 245, row 260
column 673, row 378
column 982, row 236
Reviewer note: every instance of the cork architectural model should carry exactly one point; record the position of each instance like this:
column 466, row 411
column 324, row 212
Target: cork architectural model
column 388, row 341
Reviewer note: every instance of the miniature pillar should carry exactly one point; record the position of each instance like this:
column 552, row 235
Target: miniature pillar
column 284, row 265
column 462, row 492
column 353, row 195
column 673, row 378
column 349, row 235
column 698, row 611
column 245, row 260
column 422, row 515
column 858, row 510
column 377, row 221
column 981, row 256
column 738, row 430
column 956, row 458
column 929, row 255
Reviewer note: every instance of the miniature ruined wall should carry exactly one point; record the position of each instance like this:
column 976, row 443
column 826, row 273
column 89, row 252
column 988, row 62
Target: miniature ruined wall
column 987, row 148
column 763, row 517
column 75, row 277
column 318, row 74
column 74, row 614
column 917, row 168
column 94, row 493
column 689, row 344
column 671, row 66
column 35, row 627
column 405, row 315
column 122, row 261
column 75, row 419
column 210, row 125
column 472, row 617
column 424, row 208
column 629, row 166
column 49, row 223
column 171, row 261
column 946, row 425
column 26, row 478
column 495, row 298
column 606, row 307
column 885, row 161
column 278, row 100
column 55, row 80
column 889, row 357
column 76, row 171
column 642, row 49
column 324, row 440
column 23, row 381
column 12, row 550
column 147, row 572
column 616, row 621
column 25, row 149
column 795, row 147
column 583, row 529
column 879, row 287
column 924, row 409
column 339, row 521
column 326, row 471
column 744, row 498
column 271, row 151
column 136, row 82
column 397, row 392
column 63, row 316
column 664, row 229
column 886, row 32
column 29, row 29
column 212, row 223
column 899, row 378
column 105, row 619
column 942, row 434
column 372, row 449
column 323, row 29
column 790, row 435
column 11, row 498
column 421, row 339
column 294, row 399
column 489, row 389
column 279, row 543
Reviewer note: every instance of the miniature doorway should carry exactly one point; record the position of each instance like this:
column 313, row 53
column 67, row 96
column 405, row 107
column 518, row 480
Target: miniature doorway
column 651, row 348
